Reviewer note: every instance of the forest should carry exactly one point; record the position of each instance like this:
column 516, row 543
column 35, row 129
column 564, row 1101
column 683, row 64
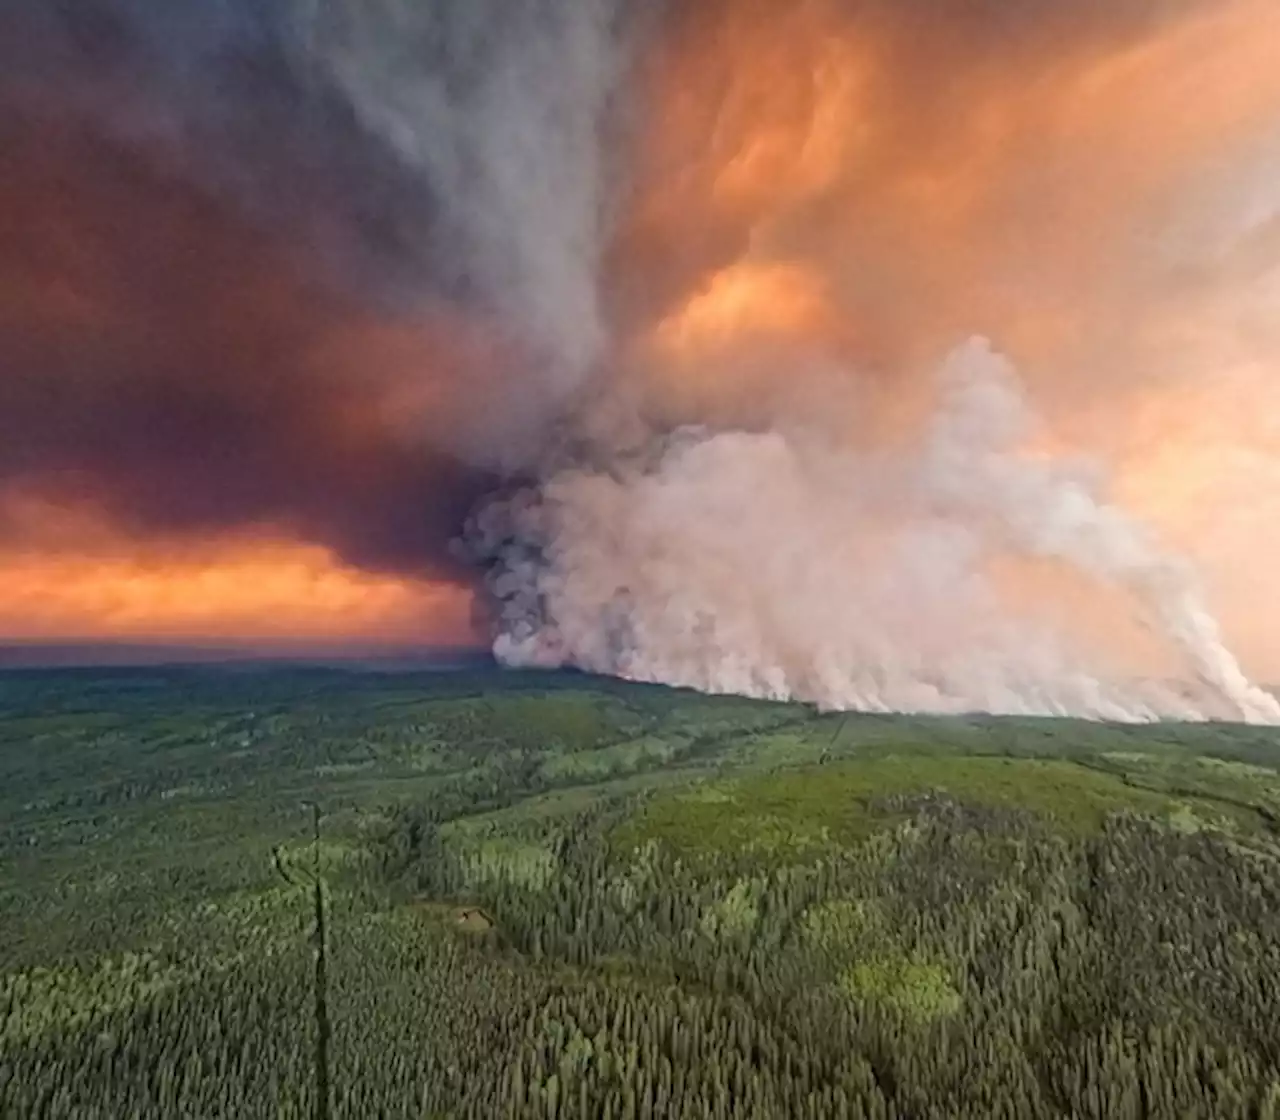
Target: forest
column 302, row 892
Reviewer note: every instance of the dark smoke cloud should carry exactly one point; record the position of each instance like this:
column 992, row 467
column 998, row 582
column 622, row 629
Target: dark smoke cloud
column 228, row 97
column 263, row 263
column 166, row 361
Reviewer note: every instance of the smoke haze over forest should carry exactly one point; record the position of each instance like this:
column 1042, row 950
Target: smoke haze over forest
column 910, row 355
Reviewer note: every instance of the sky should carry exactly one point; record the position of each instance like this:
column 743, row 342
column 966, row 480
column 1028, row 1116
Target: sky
column 207, row 423
column 284, row 293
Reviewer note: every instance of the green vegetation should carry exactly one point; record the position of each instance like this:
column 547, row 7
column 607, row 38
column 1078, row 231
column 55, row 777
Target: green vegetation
column 795, row 813
column 543, row 896
column 917, row 990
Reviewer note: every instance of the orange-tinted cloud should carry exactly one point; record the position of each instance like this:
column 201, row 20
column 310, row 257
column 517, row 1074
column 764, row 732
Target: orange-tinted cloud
column 833, row 195
column 938, row 168
column 268, row 593
column 68, row 573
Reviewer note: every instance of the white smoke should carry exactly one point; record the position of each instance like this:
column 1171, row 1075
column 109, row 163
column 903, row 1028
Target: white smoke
column 793, row 569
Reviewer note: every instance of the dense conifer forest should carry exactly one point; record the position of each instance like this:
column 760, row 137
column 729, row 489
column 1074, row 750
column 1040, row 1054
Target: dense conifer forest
column 324, row 894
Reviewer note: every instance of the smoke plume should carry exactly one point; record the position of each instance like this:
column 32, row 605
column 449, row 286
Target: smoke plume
column 778, row 567
column 836, row 195
column 686, row 306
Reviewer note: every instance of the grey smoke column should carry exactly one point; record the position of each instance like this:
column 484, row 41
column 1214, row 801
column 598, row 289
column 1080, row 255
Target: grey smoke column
column 502, row 108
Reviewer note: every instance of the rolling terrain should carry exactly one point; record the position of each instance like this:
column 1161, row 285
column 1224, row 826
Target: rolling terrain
column 309, row 892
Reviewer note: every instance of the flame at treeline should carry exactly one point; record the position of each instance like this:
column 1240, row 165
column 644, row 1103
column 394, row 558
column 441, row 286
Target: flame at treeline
column 685, row 306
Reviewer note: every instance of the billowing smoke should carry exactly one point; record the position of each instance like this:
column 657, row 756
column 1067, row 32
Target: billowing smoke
column 695, row 294
column 795, row 524
column 779, row 566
